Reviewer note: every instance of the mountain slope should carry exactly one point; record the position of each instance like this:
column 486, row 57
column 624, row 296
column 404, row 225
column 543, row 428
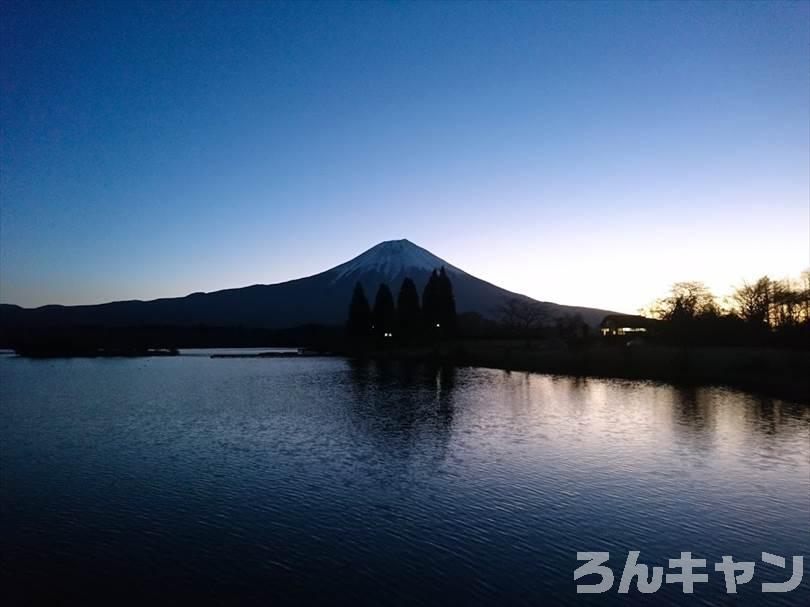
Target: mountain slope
column 319, row 299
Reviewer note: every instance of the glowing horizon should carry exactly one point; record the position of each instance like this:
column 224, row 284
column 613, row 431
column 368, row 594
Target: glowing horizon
column 580, row 291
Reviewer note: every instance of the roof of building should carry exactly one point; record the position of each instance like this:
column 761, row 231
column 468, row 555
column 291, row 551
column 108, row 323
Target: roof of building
column 627, row 320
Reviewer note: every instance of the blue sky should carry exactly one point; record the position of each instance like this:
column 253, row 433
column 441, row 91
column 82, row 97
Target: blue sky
column 589, row 154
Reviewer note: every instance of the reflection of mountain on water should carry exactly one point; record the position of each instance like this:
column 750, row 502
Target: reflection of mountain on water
column 405, row 409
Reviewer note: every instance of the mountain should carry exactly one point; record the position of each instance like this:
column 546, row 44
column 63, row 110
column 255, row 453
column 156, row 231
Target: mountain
column 319, row 299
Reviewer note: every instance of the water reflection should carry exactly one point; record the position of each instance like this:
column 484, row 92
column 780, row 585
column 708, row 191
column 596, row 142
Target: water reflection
column 693, row 416
column 405, row 408
column 411, row 412
column 370, row 480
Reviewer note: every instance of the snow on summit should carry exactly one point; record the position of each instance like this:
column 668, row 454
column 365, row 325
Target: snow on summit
column 391, row 258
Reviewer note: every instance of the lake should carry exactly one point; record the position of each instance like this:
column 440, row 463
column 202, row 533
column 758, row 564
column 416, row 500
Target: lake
column 323, row 480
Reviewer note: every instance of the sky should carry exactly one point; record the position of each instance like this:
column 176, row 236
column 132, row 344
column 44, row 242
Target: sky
column 587, row 154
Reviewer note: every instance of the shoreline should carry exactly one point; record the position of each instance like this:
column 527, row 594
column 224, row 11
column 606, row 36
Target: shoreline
column 764, row 371
column 780, row 373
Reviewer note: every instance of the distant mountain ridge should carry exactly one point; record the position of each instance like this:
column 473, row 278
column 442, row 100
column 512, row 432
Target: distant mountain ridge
column 319, row 299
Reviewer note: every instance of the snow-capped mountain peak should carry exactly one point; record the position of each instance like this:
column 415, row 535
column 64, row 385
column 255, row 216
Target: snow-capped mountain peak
column 392, row 258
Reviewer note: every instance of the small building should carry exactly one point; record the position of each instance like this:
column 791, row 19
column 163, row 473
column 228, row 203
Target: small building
column 625, row 325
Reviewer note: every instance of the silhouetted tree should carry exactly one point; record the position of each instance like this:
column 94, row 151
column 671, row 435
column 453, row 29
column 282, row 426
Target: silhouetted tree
column 691, row 314
column 447, row 304
column 788, row 314
column 767, row 312
column 431, row 309
column 804, row 296
column 785, row 304
column 408, row 312
column 383, row 314
column 359, row 323
column 686, row 301
column 521, row 314
column 753, row 302
column 774, row 304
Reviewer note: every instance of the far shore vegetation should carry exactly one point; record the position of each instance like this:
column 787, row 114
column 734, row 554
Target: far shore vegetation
column 757, row 337
column 765, row 313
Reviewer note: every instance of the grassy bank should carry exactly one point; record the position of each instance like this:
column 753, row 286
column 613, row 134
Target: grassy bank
column 776, row 372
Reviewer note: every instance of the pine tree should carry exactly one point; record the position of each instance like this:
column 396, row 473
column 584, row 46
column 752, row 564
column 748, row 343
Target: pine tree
column 447, row 304
column 430, row 304
column 383, row 314
column 359, row 323
column 408, row 313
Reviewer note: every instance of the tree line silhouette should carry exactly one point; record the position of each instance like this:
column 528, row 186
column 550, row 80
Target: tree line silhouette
column 407, row 318
column 765, row 312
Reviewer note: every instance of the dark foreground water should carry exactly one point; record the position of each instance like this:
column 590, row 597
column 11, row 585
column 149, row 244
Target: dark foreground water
column 320, row 481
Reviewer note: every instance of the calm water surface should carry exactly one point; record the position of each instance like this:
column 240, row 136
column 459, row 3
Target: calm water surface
column 302, row 481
